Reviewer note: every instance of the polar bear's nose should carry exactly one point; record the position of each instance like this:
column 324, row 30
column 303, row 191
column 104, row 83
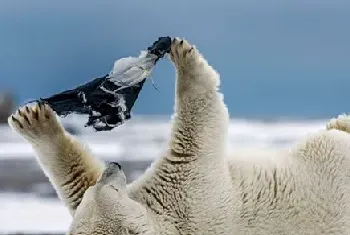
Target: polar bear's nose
column 115, row 164
column 113, row 170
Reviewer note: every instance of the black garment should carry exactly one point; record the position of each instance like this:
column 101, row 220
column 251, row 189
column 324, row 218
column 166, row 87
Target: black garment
column 108, row 100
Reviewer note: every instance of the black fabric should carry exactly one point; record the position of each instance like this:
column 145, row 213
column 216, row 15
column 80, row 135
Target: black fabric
column 104, row 109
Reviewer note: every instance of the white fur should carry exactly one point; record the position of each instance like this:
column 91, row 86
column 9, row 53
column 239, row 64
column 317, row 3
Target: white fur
column 107, row 209
column 68, row 164
column 194, row 188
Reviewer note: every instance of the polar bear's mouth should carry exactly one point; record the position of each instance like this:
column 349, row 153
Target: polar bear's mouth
column 112, row 186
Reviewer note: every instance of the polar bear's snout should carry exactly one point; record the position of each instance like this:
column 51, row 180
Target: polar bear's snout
column 113, row 175
column 115, row 164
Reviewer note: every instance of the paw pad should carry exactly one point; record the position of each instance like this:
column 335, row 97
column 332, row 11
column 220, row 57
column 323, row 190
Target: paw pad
column 37, row 121
column 182, row 53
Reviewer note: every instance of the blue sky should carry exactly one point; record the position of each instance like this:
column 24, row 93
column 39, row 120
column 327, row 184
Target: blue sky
column 276, row 58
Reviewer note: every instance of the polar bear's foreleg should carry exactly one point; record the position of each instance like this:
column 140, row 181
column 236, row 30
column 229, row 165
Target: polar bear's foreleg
column 68, row 164
column 342, row 123
column 201, row 118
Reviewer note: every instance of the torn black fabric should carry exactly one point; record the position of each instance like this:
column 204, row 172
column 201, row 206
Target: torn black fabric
column 108, row 100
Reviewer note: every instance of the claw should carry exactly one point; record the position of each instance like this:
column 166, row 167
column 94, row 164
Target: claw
column 188, row 51
column 46, row 106
column 35, row 114
column 27, row 120
column 40, row 104
column 18, row 122
column 47, row 116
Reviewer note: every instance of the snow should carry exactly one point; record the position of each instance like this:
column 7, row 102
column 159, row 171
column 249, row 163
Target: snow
column 23, row 213
column 145, row 139
column 23, row 150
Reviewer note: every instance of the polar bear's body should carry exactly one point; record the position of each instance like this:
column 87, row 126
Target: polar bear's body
column 194, row 188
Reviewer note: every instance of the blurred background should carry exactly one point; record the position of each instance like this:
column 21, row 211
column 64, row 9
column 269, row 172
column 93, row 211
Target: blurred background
column 284, row 69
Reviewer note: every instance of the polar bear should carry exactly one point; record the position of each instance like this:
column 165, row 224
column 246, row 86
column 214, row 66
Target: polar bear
column 196, row 187
column 107, row 209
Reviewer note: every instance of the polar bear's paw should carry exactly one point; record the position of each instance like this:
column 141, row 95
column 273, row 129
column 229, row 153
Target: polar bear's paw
column 183, row 54
column 342, row 123
column 36, row 123
column 192, row 68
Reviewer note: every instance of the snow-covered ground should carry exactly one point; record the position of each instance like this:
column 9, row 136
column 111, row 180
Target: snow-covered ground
column 26, row 214
column 138, row 139
column 143, row 139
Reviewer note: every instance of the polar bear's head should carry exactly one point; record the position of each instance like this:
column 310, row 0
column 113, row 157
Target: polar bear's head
column 107, row 209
